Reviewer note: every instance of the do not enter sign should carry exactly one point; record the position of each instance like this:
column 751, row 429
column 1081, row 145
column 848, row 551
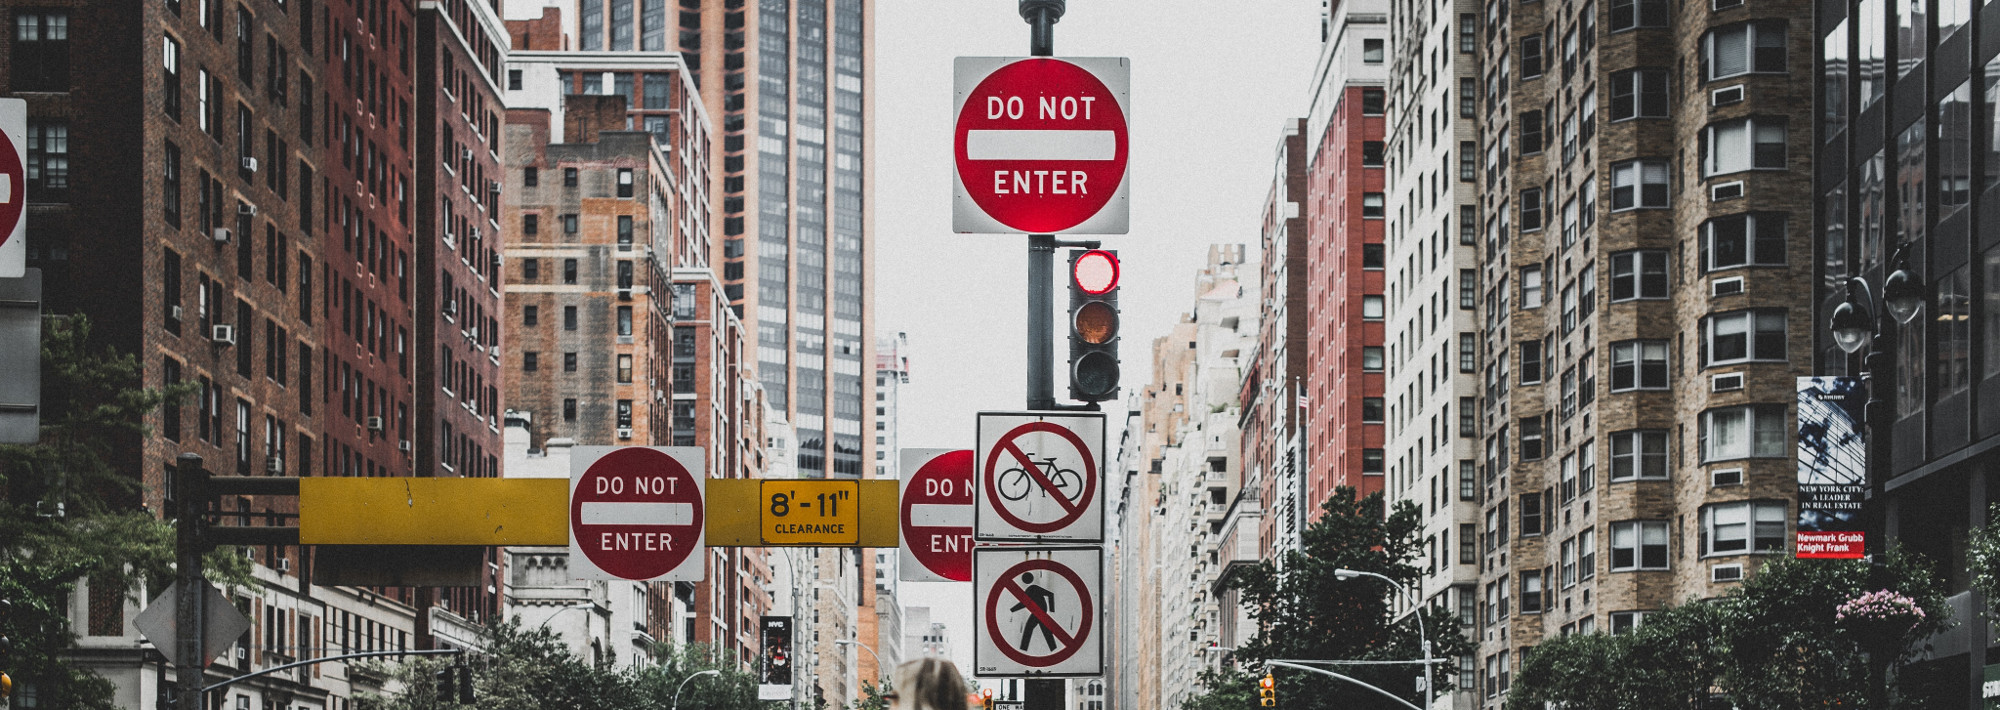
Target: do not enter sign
column 13, row 188
column 635, row 512
column 937, row 515
column 1041, row 145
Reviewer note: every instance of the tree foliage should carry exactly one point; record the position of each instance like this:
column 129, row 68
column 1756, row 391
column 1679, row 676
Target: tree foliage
column 69, row 509
column 1773, row 641
column 524, row 668
column 1982, row 557
column 1303, row 611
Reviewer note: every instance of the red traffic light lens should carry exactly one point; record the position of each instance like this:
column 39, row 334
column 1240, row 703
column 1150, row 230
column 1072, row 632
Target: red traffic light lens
column 1267, row 681
column 1095, row 271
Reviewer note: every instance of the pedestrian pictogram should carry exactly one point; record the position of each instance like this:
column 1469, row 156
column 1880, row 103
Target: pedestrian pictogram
column 1039, row 611
column 936, row 515
column 1041, row 145
column 636, row 513
column 1039, row 477
column 13, row 188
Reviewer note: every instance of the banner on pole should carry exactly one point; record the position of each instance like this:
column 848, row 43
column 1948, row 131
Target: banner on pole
column 1832, row 468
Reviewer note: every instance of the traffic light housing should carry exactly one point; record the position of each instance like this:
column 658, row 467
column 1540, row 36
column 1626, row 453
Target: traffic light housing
column 465, row 685
column 1093, row 325
column 454, row 683
column 986, row 698
column 1267, row 691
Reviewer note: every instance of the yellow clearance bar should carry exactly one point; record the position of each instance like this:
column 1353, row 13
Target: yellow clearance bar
column 532, row 511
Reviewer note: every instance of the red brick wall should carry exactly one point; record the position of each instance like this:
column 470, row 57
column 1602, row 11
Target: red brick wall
column 1336, row 382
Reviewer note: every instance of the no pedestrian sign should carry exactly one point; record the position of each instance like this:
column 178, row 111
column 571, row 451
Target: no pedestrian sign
column 1039, row 477
column 1039, row 611
column 1041, row 145
column 635, row 512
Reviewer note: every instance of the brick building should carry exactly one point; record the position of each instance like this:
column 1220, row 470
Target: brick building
column 1273, row 426
column 1344, row 222
column 1645, row 169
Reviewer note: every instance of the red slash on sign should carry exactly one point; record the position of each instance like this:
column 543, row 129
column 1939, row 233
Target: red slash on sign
column 1014, row 482
column 1028, row 584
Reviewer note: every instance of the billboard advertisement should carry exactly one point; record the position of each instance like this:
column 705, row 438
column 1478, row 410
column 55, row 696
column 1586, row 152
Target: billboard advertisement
column 1832, row 468
column 774, row 674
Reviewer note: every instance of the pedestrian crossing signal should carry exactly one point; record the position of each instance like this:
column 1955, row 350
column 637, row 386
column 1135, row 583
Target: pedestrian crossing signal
column 1267, row 691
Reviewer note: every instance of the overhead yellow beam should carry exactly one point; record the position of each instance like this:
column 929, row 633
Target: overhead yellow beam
column 532, row 511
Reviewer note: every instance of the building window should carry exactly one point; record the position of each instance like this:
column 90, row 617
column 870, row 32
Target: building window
column 569, row 362
column 1371, row 358
column 1531, row 438
column 1531, row 592
column 170, row 77
column 531, row 361
column 1744, row 144
column 1633, row 14
column 1637, row 184
column 1468, row 97
column 531, row 270
column 569, row 224
column 1745, row 335
column 1371, row 51
column 1531, row 209
column 569, row 271
column 1371, row 410
column 625, row 369
column 1639, row 93
column 624, row 182
column 1638, row 545
column 1467, row 490
column 569, row 409
column 1531, row 513
column 1468, row 352
column 624, row 321
column 1751, row 239
column 170, row 183
column 1371, row 205
column 1371, row 461
column 1637, row 455
column 41, row 51
column 1639, row 365
column 1371, row 307
column 1531, row 362
column 48, row 155
column 1624, row 621
column 531, row 224
column 569, row 177
column 1750, row 431
column 1531, row 57
column 1531, row 132
column 1468, row 170
column 1744, row 48
column 1371, row 154
column 1371, row 256
column 1734, row 528
column 1533, row 290
column 1954, row 332
column 1372, row 101
column 569, row 317
column 1638, row 274
column 530, row 177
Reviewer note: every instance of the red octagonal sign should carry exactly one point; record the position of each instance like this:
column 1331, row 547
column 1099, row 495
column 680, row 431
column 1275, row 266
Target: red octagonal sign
column 635, row 513
column 13, row 188
column 1041, row 145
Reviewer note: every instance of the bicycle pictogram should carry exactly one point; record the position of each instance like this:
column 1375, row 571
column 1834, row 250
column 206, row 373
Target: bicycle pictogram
column 1016, row 483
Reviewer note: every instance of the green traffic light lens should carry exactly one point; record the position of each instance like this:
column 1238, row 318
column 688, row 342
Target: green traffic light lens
column 1095, row 374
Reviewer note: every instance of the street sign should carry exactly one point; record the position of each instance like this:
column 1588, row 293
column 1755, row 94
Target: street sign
column 635, row 512
column 1039, row 611
column 222, row 622
column 937, row 515
column 1038, row 477
column 1040, row 145
column 21, row 357
column 811, row 512
column 13, row 188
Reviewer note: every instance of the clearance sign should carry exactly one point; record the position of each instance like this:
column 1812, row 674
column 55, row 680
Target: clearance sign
column 1041, row 145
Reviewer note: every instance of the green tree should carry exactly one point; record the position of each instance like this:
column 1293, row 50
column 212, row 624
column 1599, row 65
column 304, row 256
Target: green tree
column 1982, row 558
column 1304, row 611
column 1227, row 689
column 1669, row 662
column 729, row 689
column 70, row 509
column 519, row 669
column 871, row 696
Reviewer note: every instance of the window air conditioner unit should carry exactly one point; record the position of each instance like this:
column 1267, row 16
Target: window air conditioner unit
column 624, row 432
column 1732, row 286
column 246, row 209
column 222, row 334
column 624, row 294
column 1729, row 94
column 1725, row 191
column 284, row 564
column 374, row 423
column 175, row 312
column 403, row 446
column 1725, row 573
column 250, row 164
column 274, row 465
column 1726, row 477
column 221, row 235
column 493, row 186
column 1726, row 382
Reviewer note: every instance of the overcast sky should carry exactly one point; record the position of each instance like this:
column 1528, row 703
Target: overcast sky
column 1210, row 90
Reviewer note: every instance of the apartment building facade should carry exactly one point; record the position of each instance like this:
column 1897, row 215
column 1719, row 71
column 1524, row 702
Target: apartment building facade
column 1643, row 172
column 1273, row 423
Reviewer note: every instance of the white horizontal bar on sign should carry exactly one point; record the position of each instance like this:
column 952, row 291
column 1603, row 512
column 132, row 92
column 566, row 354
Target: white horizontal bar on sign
column 931, row 515
column 1041, row 145
column 638, row 514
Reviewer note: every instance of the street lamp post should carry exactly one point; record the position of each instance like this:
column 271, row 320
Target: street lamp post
column 1864, row 321
column 880, row 672
column 1422, row 638
column 684, row 683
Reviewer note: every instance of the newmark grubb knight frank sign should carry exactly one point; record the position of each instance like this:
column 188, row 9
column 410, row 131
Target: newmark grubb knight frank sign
column 1040, row 145
column 1832, row 468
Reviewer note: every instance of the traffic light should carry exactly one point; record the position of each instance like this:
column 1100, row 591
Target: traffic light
column 986, row 698
column 444, row 684
column 465, row 685
column 1093, row 325
column 1267, row 691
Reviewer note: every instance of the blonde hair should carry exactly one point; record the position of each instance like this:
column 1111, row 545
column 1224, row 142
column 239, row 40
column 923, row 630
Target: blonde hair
column 930, row 684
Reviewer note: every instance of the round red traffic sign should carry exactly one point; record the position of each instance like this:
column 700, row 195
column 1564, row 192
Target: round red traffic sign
column 1041, row 145
column 937, row 515
column 13, row 195
column 1063, row 641
column 1016, row 480
column 636, row 513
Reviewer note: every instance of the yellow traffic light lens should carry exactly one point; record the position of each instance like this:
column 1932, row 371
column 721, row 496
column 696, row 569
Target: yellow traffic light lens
column 1096, row 323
